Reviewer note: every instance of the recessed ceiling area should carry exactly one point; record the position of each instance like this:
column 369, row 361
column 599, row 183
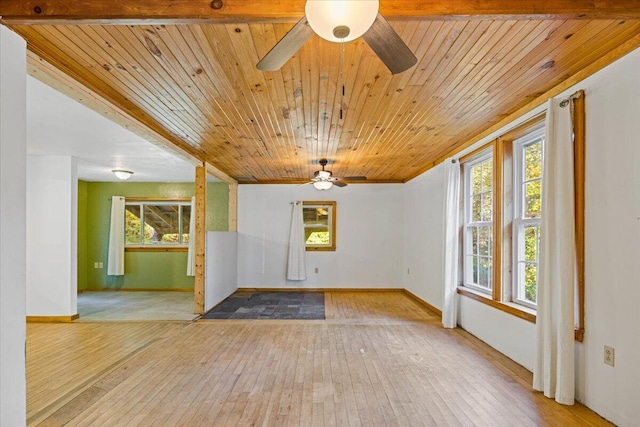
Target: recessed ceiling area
column 59, row 125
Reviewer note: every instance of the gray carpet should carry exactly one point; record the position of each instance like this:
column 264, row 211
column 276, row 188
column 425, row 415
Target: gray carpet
column 270, row 305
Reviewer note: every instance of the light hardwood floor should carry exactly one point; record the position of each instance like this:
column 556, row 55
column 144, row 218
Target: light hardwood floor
column 379, row 359
column 133, row 306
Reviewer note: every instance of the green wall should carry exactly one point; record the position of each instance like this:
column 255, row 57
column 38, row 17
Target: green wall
column 143, row 270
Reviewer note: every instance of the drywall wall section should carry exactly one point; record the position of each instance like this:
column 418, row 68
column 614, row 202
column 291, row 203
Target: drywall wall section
column 144, row 270
column 52, row 236
column 423, row 236
column 221, row 267
column 369, row 237
column 13, row 143
column 612, row 242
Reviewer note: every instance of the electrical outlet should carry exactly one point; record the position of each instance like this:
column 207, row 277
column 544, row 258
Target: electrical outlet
column 316, row 270
column 96, row 265
column 609, row 355
column 100, row 265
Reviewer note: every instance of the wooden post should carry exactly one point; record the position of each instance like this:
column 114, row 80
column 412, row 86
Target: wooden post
column 579, row 157
column 233, row 207
column 201, row 215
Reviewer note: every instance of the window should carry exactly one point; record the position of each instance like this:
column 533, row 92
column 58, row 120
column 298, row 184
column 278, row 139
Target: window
column 157, row 223
column 478, row 223
column 319, row 225
column 527, row 190
column 502, row 190
column 502, row 201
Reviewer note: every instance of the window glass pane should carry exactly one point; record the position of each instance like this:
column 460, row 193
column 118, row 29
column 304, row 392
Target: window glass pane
column 531, row 243
column 487, row 175
column 487, row 207
column 317, row 236
column 186, row 221
column 484, row 240
column 132, row 224
column 161, row 224
column 473, row 270
column 476, row 179
column 476, row 208
column 533, row 161
column 474, row 240
column 484, row 272
column 530, row 282
column 533, row 198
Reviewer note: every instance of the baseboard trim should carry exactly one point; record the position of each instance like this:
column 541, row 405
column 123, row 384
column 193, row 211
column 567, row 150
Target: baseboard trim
column 52, row 319
column 320, row 290
column 139, row 290
column 423, row 302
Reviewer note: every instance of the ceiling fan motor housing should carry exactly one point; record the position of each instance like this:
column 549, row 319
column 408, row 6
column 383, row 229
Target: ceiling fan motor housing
column 323, row 174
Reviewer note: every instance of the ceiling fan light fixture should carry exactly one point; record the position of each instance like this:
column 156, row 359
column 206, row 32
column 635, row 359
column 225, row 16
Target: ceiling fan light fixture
column 323, row 185
column 122, row 174
column 332, row 18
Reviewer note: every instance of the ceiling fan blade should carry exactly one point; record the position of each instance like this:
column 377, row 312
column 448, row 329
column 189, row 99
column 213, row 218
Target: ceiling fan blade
column 355, row 178
column 389, row 47
column 339, row 184
column 286, row 47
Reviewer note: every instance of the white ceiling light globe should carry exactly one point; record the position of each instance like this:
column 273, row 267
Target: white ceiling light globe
column 326, row 15
column 323, row 185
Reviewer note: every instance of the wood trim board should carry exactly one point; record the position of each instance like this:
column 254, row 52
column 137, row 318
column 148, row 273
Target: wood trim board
column 52, row 319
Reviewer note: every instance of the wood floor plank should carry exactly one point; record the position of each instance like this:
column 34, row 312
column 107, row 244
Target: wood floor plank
column 380, row 359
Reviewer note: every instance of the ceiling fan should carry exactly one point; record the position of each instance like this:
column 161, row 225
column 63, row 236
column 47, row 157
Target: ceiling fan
column 324, row 179
column 342, row 21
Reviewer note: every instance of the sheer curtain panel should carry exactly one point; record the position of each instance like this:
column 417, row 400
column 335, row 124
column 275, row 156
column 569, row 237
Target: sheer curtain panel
column 115, row 264
column 553, row 372
column 451, row 227
column 296, row 268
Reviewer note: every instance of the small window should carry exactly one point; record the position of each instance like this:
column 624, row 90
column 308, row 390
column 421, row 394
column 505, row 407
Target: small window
column 319, row 225
column 528, row 155
column 478, row 223
column 157, row 223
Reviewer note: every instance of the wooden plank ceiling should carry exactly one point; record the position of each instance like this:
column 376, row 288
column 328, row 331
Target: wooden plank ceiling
column 197, row 85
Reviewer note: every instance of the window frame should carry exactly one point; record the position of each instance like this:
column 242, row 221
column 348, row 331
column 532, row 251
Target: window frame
column 158, row 246
column 519, row 222
column 331, row 206
column 478, row 157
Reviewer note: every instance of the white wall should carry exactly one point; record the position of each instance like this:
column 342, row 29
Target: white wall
column 423, row 235
column 368, row 245
column 612, row 242
column 612, row 250
column 52, row 236
column 13, row 74
column 221, row 267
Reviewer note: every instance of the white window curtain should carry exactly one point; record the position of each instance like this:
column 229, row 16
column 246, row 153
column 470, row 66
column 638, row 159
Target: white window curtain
column 191, row 252
column 296, row 268
column 115, row 260
column 553, row 372
column 451, row 213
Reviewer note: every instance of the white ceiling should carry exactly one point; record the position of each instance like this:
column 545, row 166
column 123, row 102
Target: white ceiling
column 59, row 125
